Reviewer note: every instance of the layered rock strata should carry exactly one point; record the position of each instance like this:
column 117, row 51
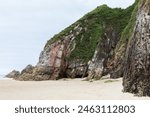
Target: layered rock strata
column 104, row 41
column 137, row 70
column 84, row 49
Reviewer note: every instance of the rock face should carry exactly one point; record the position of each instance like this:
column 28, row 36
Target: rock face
column 34, row 73
column 84, row 49
column 55, row 56
column 105, row 50
column 137, row 69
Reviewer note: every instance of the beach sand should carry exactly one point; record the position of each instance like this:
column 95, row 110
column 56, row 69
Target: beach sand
column 70, row 89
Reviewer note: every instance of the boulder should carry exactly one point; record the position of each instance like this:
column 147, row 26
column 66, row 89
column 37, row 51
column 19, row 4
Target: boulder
column 13, row 74
column 25, row 77
column 27, row 69
column 37, row 73
column 42, row 70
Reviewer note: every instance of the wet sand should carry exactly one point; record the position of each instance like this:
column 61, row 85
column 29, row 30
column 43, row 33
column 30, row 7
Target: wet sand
column 70, row 89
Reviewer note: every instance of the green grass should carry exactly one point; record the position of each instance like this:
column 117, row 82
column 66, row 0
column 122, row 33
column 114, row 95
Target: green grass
column 95, row 23
column 98, row 19
column 128, row 30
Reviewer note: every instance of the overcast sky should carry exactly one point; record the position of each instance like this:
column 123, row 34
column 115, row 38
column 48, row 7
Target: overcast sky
column 26, row 25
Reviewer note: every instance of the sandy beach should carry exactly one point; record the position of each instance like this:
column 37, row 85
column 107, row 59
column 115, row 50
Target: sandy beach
column 70, row 89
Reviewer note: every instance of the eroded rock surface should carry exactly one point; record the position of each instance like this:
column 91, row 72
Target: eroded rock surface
column 137, row 69
column 84, row 49
column 13, row 74
column 99, row 66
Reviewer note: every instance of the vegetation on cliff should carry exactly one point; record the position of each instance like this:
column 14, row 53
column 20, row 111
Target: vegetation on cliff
column 136, row 77
column 105, row 41
column 128, row 30
column 93, row 27
column 120, row 49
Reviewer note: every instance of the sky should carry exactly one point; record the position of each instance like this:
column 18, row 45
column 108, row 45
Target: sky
column 26, row 25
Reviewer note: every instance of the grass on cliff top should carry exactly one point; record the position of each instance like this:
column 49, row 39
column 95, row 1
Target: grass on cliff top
column 93, row 28
column 128, row 31
column 98, row 19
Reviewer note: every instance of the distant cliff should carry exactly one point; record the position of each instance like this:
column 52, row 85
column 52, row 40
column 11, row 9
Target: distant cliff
column 104, row 41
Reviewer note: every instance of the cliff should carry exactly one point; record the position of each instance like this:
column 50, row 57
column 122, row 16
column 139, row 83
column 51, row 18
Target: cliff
column 84, row 48
column 137, row 70
column 104, row 41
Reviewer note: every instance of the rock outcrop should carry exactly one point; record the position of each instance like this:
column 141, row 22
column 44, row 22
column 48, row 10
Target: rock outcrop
column 30, row 73
column 105, row 51
column 84, row 49
column 106, row 41
column 13, row 74
column 137, row 70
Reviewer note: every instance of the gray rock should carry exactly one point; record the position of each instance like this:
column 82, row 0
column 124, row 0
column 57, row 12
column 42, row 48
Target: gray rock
column 37, row 73
column 13, row 74
column 42, row 70
column 27, row 69
column 99, row 65
column 137, row 70
column 25, row 77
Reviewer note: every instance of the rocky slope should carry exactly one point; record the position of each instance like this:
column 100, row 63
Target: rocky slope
column 104, row 41
column 83, row 49
column 137, row 60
